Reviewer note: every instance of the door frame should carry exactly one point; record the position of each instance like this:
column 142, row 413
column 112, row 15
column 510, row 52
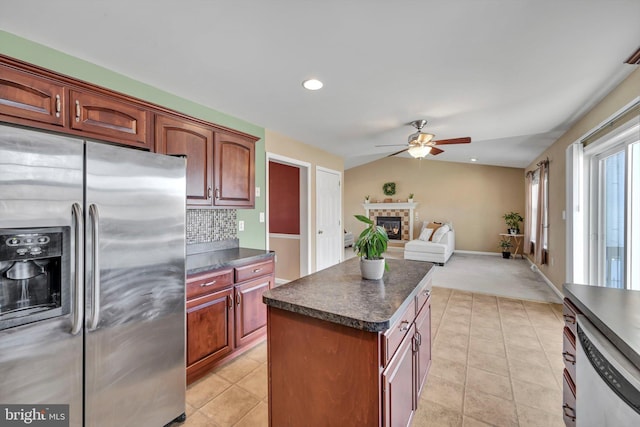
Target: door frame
column 340, row 180
column 305, row 207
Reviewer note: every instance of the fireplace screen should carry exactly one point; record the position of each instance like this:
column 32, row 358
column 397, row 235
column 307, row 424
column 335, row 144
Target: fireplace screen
column 392, row 225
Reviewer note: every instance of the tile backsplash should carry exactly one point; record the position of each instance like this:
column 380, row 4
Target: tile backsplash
column 211, row 225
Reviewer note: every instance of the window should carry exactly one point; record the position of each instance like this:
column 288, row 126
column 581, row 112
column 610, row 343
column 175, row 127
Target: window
column 538, row 212
column 605, row 176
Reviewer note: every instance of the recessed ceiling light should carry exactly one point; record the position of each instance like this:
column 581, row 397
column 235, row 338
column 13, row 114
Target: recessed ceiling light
column 473, row 159
column 312, row 84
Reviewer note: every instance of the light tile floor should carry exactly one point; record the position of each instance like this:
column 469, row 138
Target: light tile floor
column 496, row 362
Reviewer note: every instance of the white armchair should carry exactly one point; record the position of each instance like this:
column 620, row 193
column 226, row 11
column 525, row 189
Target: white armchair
column 438, row 251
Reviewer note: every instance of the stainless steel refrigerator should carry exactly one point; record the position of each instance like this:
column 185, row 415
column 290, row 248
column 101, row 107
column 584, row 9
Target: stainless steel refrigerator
column 92, row 279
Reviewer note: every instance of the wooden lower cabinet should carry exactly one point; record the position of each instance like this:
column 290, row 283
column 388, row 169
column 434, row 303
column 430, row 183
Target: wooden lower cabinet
column 399, row 392
column 210, row 326
column 225, row 318
column 326, row 374
column 251, row 312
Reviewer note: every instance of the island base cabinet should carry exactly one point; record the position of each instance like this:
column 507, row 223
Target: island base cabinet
column 321, row 373
column 398, row 388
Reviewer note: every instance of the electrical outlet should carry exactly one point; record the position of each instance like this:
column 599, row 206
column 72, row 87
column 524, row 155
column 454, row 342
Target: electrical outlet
column 240, row 225
column 261, row 216
column 257, row 191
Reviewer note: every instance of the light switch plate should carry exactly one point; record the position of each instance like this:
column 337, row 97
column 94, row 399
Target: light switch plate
column 261, row 216
column 257, row 191
column 240, row 225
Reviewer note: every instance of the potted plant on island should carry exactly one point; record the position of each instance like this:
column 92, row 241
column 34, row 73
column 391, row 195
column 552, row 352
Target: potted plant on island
column 513, row 220
column 370, row 246
column 506, row 245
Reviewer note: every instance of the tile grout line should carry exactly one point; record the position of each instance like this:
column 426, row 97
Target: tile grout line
column 506, row 353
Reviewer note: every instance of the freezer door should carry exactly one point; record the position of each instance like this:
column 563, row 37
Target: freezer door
column 135, row 287
column 40, row 180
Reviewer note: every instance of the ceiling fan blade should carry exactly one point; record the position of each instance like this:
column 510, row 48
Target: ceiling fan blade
column 398, row 152
column 464, row 140
column 435, row 151
column 391, row 145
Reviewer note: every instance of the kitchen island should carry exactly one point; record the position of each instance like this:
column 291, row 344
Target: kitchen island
column 345, row 351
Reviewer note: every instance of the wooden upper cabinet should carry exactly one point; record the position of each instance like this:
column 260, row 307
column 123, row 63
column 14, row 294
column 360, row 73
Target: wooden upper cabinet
column 234, row 166
column 25, row 97
column 104, row 116
column 182, row 137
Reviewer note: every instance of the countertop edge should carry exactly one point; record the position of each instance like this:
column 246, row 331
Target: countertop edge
column 238, row 262
column 608, row 332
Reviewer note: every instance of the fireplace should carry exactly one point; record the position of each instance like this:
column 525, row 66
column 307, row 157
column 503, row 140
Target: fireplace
column 392, row 225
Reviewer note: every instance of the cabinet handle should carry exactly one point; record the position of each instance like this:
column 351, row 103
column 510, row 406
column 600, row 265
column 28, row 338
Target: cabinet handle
column 569, row 412
column 57, row 105
column 414, row 345
column 217, row 193
column 77, row 110
column 571, row 358
column 204, row 285
column 238, row 298
column 569, row 319
column 419, row 338
column 230, row 302
column 209, row 193
column 257, row 270
column 405, row 327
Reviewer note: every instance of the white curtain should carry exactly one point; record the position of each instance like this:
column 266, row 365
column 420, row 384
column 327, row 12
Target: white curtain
column 540, row 255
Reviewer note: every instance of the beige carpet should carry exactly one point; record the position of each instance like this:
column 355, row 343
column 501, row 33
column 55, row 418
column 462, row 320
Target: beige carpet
column 487, row 274
column 493, row 275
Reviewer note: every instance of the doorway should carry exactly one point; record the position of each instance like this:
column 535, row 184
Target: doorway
column 288, row 216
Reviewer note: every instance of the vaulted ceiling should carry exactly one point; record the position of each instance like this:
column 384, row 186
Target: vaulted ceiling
column 511, row 74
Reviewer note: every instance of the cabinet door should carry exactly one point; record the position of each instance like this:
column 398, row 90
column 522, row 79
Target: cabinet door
column 234, row 171
column 210, row 326
column 25, row 96
column 423, row 355
column 399, row 385
column 251, row 312
column 182, row 137
column 117, row 120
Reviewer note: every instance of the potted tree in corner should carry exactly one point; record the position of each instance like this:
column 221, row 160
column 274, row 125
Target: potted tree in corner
column 513, row 220
column 506, row 245
column 370, row 246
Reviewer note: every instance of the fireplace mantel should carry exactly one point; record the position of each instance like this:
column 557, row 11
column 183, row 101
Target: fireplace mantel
column 397, row 206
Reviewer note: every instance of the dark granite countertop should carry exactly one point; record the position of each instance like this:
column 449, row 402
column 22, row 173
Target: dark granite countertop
column 615, row 312
column 230, row 257
column 338, row 294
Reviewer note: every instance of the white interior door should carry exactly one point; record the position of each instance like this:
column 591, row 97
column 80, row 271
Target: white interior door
column 329, row 247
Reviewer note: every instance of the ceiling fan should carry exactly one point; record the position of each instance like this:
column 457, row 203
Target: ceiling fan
column 420, row 144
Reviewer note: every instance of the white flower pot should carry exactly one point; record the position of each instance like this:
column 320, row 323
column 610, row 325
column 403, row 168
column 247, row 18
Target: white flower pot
column 372, row 269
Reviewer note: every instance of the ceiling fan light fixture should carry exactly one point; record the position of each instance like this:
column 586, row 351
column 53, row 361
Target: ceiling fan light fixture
column 420, row 138
column 419, row 151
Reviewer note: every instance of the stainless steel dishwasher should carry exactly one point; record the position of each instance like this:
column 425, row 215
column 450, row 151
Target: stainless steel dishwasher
column 608, row 384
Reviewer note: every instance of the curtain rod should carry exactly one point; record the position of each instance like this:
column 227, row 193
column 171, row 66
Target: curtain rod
column 625, row 115
column 543, row 162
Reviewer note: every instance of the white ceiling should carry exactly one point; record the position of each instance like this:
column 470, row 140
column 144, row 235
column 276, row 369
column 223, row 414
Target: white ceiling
column 511, row 74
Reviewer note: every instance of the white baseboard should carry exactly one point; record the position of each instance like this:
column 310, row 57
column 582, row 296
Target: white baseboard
column 546, row 280
column 457, row 251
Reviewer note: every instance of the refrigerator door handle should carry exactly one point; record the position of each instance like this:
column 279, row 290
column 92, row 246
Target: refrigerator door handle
column 78, row 286
column 95, row 267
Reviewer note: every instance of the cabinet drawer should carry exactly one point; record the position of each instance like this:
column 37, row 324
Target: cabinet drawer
column 569, row 314
column 568, row 400
column 569, row 352
column 251, row 271
column 208, row 282
column 394, row 335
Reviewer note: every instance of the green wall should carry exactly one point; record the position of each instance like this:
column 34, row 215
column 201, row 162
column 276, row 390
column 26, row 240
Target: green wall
column 37, row 54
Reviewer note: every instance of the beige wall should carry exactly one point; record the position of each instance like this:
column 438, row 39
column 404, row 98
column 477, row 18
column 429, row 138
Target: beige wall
column 620, row 96
column 473, row 197
column 287, row 257
column 276, row 143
